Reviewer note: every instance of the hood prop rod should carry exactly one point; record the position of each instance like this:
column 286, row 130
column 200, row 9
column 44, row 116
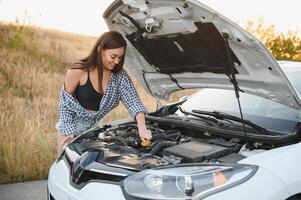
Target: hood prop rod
column 232, row 77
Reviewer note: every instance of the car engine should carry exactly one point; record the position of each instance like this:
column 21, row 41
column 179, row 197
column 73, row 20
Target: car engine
column 120, row 146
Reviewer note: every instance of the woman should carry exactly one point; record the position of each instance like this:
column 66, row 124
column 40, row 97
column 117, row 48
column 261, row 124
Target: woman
column 94, row 86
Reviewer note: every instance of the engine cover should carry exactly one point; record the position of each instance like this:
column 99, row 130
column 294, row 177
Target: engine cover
column 196, row 151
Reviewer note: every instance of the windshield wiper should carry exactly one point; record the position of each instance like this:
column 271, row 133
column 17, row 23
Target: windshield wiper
column 197, row 115
column 223, row 116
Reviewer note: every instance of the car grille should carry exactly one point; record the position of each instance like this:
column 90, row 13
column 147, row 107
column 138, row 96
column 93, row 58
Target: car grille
column 51, row 197
column 88, row 176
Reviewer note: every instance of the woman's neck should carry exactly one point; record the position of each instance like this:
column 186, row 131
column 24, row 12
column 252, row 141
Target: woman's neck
column 106, row 72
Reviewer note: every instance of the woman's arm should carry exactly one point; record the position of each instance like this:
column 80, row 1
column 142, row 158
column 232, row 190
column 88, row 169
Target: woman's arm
column 72, row 79
column 71, row 82
column 143, row 132
column 132, row 102
column 66, row 122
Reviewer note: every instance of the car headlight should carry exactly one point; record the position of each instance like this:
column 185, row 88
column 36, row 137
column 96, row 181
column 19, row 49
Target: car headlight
column 186, row 181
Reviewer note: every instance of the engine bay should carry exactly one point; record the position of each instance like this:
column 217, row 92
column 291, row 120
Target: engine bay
column 120, row 146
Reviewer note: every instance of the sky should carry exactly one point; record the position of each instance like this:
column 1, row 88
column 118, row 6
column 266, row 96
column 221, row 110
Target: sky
column 85, row 16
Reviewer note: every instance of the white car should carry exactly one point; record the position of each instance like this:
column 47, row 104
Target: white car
column 238, row 137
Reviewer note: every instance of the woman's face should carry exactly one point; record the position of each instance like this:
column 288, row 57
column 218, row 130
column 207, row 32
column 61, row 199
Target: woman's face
column 111, row 57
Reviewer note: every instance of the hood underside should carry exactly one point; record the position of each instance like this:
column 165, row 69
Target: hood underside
column 178, row 44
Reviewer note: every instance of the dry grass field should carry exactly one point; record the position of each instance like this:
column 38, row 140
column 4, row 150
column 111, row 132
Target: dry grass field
column 32, row 65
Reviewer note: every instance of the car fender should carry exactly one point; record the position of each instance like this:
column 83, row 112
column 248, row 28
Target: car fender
column 283, row 162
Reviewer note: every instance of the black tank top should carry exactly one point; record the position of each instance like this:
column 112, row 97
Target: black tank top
column 87, row 96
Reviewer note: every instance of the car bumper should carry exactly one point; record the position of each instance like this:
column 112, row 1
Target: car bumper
column 60, row 188
column 262, row 186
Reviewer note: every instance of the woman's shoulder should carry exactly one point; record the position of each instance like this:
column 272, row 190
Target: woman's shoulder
column 73, row 78
column 76, row 69
column 75, row 73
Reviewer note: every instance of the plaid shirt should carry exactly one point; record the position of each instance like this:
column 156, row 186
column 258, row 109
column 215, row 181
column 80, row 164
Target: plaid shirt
column 120, row 87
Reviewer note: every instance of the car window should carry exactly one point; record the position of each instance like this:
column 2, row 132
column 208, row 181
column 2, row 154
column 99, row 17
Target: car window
column 261, row 111
column 294, row 77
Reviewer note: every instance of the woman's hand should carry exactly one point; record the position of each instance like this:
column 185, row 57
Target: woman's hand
column 62, row 141
column 145, row 135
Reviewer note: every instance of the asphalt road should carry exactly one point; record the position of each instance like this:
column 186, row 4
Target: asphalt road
column 33, row 190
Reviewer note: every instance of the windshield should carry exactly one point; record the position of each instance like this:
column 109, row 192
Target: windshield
column 263, row 112
column 293, row 73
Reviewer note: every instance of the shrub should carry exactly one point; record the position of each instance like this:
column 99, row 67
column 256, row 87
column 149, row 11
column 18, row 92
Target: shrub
column 282, row 46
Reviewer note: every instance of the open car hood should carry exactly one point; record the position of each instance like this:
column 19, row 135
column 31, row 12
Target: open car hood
column 177, row 44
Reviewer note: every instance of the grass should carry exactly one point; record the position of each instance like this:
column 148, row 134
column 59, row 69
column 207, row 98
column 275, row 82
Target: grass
column 32, row 67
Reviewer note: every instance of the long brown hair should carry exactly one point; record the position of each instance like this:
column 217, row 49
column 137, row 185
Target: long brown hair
column 108, row 40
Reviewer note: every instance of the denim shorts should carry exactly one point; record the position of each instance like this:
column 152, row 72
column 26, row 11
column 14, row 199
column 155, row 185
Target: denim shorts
column 83, row 124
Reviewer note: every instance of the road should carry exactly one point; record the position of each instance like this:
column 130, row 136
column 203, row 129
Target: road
column 33, row 190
